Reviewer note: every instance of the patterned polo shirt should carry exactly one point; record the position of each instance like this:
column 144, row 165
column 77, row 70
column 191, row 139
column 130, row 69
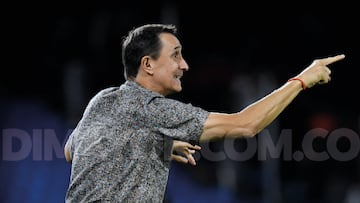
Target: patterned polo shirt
column 121, row 147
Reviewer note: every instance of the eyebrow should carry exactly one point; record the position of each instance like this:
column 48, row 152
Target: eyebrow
column 177, row 47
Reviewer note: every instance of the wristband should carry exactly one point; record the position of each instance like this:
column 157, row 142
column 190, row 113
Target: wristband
column 298, row 79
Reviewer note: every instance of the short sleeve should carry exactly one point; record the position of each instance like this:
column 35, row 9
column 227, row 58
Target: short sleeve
column 176, row 119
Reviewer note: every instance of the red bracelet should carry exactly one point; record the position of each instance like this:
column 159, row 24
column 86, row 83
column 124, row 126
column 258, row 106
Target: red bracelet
column 298, row 79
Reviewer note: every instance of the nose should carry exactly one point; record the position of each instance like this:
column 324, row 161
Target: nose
column 183, row 65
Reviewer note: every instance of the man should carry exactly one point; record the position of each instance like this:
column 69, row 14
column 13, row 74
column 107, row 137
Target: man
column 121, row 148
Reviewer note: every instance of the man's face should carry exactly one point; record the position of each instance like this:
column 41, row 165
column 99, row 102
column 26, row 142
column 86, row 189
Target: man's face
column 170, row 66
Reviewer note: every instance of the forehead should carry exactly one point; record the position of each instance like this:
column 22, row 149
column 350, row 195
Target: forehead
column 170, row 42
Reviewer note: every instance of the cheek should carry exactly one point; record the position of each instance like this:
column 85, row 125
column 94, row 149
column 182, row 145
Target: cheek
column 167, row 70
column 163, row 73
column 163, row 76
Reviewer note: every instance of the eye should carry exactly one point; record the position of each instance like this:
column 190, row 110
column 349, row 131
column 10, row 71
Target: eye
column 177, row 55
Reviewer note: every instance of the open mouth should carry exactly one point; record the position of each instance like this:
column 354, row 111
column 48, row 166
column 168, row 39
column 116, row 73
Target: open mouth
column 178, row 76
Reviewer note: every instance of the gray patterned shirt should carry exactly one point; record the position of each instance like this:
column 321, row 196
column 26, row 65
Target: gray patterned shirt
column 121, row 147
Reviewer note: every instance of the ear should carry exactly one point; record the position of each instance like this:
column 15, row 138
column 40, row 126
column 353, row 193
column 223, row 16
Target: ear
column 146, row 65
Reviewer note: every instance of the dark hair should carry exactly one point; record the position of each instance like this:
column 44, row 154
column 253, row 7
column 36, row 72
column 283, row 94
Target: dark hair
column 142, row 41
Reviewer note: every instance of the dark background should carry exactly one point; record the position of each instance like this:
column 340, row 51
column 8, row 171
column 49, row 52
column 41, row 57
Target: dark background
column 57, row 55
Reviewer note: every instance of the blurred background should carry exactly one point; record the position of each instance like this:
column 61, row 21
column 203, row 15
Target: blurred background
column 57, row 55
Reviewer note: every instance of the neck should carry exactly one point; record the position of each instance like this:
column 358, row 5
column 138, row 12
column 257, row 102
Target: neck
column 147, row 84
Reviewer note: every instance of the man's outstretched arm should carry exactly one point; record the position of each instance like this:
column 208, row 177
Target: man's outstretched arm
column 255, row 117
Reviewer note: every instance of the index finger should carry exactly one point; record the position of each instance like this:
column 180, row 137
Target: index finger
column 332, row 59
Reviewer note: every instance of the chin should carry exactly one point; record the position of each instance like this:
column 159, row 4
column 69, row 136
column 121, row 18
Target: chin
column 178, row 89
